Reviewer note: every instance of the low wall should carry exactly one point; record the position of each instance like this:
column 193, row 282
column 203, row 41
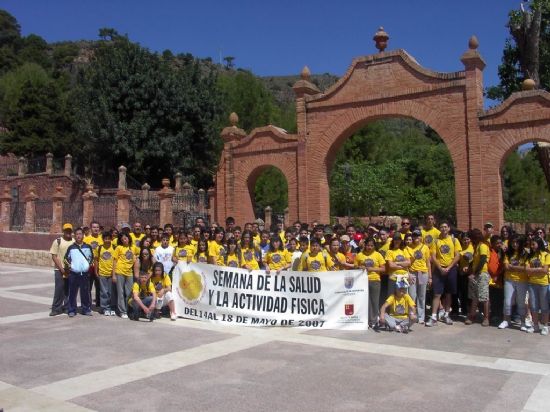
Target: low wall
column 32, row 241
column 26, row 256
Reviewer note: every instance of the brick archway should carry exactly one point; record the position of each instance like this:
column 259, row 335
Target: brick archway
column 386, row 84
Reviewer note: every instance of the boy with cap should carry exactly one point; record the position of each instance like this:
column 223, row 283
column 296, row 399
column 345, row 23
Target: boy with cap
column 402, row 310
column 61, row 289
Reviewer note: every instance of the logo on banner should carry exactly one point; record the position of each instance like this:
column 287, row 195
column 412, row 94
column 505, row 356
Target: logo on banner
column 349, row 309
column 348, row 282
column 191, row 287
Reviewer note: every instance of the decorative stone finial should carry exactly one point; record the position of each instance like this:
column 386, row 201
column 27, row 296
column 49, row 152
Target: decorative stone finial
column 233, row 119
column 145, row 186
column 528, row 84
column 381, row 38
column 305, row 74
column 473, row 43
column 166, row 183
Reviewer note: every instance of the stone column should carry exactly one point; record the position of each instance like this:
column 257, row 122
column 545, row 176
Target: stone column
column 202, row 201
column 5, row 210
column 122, row 178
column 166, row 194
column 30, row 210
column 88, row 199
column 286, row 221
column 268, row 212
column 187, row 191
column 145, row 194
column 123, row 206
column 22, row 169
column 211, row 204
column 177, row 182
column 68, row 165
column 49, row 163
column 57, row 210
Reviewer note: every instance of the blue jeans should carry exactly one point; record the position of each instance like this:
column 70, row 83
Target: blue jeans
column 538, row 298
column 79, row 281
column 514, row 292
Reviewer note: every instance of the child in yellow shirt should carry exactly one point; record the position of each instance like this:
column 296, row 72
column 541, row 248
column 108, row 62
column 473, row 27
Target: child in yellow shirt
column 402, row 310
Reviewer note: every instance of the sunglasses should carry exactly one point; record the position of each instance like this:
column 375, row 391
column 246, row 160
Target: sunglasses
column 405, row 224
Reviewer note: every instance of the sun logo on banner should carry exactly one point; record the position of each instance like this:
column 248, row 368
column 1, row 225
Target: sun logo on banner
column 191, row 287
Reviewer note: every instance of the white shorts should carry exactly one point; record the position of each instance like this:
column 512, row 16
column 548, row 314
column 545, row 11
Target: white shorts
column 164, row 300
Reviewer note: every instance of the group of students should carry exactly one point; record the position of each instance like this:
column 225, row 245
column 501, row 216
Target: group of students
column 500, row 278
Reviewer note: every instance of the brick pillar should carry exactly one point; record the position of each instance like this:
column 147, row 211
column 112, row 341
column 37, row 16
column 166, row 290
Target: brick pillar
column 211, row 204
column 30, row 210
column 68, row 165
column 166, row 194
column 187, row 191
column 49, row 163
column 88, row 199
column 470, row 208
column 123, row 206
column 202, row 200
column 268, row 211
column 177, row 182
column 57, row 209
column 286, row 221
column 5, row 210
column 22, row 167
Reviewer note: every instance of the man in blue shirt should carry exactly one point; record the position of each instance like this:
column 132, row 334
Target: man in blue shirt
column 78, row 258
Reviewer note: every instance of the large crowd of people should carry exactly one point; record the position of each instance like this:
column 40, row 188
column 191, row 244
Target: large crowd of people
column 426, row 273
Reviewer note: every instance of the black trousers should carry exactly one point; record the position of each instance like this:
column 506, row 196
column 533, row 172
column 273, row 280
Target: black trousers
column 61, row 292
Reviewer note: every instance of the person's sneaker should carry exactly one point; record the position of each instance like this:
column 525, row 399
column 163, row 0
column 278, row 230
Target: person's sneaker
column 157, row 314
column 173, row 317
column 56, row 313
column 468, row 321
column 398, row 328
column 113, row 313
column 107, row 313
column 431, row 322
column 72, row 314
column 448, row 320
column 421, row 322
column 124, row 316
column 523, row 328
column 405, row 330
column 485, row 322
column 87, row 313
column 441, row 313
column 503, row 325
column 544, row 331
column 528, row 323
column 530, row 329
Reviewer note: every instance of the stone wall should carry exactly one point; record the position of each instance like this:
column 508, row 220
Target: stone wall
column 26, row 257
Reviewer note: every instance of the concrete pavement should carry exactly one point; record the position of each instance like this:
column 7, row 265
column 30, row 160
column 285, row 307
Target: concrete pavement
column 106, row 363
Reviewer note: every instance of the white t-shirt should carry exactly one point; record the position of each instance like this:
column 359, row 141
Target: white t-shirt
column 164, row 256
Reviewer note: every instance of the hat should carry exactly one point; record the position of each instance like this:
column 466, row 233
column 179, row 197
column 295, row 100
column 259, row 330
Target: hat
column 416, row 233
column 259, row 221
column 344, row 238
column 67, row 226
column 401, row 282
column 487, row 225
column 125, row 226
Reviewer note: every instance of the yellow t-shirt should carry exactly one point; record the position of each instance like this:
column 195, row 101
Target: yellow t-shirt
column 515, row 260
column 481, row 250
column 94, row 242
column 257, row 239
column 136, row 240
column 143, row 290
column 428, row 236
column 161, row 282
column 420, row 256
column 125, row 257
column 232, row 260
column 397, row 255
column 321, row 262
column 372, row 260
column 278, row 259
column 445, row 249
column 105, row 260
column 195, row 243
column 400, row 307
column 216, row 251
column 248, row 258
column 155, row 244
column 201, row 258
column 338, row 259
column 466, row 256
column 185, row 253
column 538, row 261
column 383, row 249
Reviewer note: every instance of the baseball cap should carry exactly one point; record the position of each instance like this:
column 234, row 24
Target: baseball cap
column 401, row 282
column 328, row 231
column 67, row 226
column 417, row 233
column 488, row 225
column 344, row 238
column 125, row 226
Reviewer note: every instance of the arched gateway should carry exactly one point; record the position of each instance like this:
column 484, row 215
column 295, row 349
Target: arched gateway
column 386, row 84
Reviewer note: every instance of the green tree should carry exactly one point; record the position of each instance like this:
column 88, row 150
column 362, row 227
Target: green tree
column 271, row 189
column 136, row 109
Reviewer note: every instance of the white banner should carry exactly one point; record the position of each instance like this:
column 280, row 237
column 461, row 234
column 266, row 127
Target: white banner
column 233, row 296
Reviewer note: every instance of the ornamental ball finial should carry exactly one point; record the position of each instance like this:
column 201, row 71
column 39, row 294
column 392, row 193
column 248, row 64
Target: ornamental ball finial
column 381, row 39
column 473, row 43
column 233, row 119
column 305, row 74
column 528, row 84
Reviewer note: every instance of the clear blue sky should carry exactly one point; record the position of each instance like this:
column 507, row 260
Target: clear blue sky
column 280, row 37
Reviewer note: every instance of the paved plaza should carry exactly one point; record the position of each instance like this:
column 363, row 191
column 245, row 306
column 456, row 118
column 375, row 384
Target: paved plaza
column 110, row 364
